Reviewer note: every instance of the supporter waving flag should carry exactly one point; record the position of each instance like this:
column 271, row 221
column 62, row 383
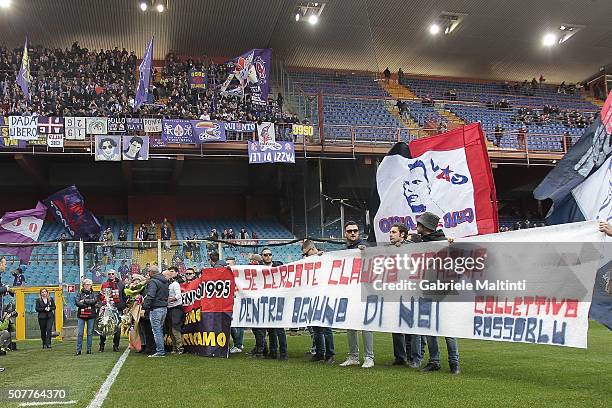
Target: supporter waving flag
column 142, row 93
column 447, row 174
column 581, row 190
column 24, row 79
column 580, row 186
column 68, row 207
column 22, row 227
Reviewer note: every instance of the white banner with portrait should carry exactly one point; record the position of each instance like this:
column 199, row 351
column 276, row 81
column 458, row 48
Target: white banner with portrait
column 108, row 148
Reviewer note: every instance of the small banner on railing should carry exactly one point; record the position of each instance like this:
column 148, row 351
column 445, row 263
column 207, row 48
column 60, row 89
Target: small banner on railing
column 302, row 130
column 277, row 152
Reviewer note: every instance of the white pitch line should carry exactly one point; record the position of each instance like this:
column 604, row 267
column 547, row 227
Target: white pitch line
column 106, row 386
column 36, row 403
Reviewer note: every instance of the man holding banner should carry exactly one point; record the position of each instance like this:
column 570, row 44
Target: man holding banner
column 353, row 241
column 427, row 227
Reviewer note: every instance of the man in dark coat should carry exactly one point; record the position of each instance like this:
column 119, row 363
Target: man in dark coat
column 427, row 227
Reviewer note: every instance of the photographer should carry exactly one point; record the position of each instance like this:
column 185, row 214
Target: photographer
column 6, row 312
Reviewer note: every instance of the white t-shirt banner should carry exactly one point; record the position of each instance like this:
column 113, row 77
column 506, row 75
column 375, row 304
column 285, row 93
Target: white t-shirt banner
column 514, row 296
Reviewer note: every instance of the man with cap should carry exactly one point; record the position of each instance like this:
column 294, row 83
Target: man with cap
column 427, row 227
column 114, row 287
column 407, row 348
column 322, row 337
column 353, row 241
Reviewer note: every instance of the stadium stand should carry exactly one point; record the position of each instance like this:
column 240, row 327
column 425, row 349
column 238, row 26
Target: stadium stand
column 356, row 107
column 43, row 267
column 483, row 92
column 338, row 84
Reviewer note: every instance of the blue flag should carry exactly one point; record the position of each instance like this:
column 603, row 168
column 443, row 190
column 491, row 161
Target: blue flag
column 24, row 79
column 142, row 93
column 577, row 185
column 68, row 207
column 581, row 189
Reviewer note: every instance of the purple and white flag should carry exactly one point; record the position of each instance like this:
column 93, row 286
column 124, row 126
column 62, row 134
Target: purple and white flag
column 277, row 152
column 22, row 227
column 177, row 131
column 205, row 131
column 24, row 79
column 50, row 125
column 142, row 93
column 251, row 72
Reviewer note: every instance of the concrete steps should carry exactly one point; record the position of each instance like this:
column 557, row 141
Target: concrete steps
column 397, row 91
column 594, row 101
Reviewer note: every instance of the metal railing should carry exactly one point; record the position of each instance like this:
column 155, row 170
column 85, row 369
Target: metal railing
column 68, row 263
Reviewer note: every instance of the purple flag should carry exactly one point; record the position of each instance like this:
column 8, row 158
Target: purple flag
column 208, row 131
column 24, row 79
column 22, row 227
column 142, row 93
column 177, row 131
column 251, row 72
column 68, row 207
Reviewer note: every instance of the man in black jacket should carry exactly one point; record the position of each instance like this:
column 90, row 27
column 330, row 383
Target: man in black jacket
column 156, row 303
column 353, row 241
column 277, row 336
column 427, row 227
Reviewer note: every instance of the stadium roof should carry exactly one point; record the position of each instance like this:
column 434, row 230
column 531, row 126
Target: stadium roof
column 497, row 39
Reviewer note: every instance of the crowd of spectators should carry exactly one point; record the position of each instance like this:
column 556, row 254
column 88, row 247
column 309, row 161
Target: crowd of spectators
column 550, row 114
column 70, row 82
column 521, row 224
column 77, row 81
column 529, row 88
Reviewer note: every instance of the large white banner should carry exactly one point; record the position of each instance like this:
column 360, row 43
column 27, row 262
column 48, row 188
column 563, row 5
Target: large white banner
column 540, row 295
column 23, row 127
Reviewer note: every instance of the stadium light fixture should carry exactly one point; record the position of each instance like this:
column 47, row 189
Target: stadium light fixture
column 434, row 29
column 5, row 3
column 307, row 11
column 549, row 40
column 143, row 6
